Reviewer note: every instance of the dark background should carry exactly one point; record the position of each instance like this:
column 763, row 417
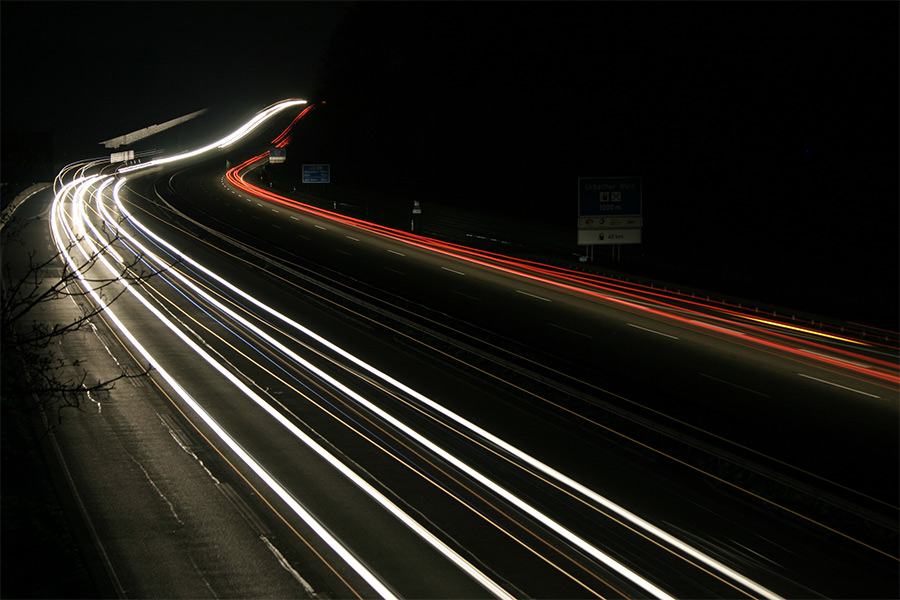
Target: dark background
column 766, row 134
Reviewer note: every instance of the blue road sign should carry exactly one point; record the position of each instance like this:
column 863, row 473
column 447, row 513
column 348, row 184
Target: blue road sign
column 316, row 173
column 609, row 196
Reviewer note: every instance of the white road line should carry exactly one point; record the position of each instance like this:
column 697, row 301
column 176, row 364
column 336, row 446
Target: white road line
column 652, row 331
column 734, row 385
column 350, row 237
column 535, row 296
column 570, row 330
column 837, row 385
column 466, row 295
column 395, row 252
column 755, row 552
column 724, row 329
column 275, row 210
column 295, row 218
column 453, row 270
column 849, row 362
column 319, row 227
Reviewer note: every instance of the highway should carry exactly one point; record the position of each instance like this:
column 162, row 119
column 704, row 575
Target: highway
column 433, row 421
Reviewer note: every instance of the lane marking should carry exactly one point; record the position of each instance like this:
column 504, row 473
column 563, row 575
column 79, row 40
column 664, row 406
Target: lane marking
column 275, row 210
column 453, row 270
column 652, row 331
column 466, row 295
column 837, row 385
column 320, row 227
column 395, row 252
column 535, row 296
column 755, row 552
column 395, row 271
column 837, row 358
column 350, row 237
column 734, row 385
column 725, row 329
column 295, row 218
column 570, row 330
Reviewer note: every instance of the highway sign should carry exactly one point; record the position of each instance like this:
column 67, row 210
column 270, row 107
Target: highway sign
column 317, row 173
column 277, row 155
column 588, row 237
column 121, row 156
column 609, row 196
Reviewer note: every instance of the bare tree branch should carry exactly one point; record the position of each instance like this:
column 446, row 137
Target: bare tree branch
column 34, row 374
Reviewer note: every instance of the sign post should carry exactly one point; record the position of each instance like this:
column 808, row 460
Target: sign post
column 277, row 155
column 416, row 210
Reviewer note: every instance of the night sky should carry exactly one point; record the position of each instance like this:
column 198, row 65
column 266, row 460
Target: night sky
column 94, row 70
column 766, row 133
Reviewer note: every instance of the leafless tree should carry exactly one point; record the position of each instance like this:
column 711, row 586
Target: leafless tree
column 36, row 375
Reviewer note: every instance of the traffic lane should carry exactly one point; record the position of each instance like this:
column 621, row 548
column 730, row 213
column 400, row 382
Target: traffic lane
column 413, row 370
column 616, row 346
